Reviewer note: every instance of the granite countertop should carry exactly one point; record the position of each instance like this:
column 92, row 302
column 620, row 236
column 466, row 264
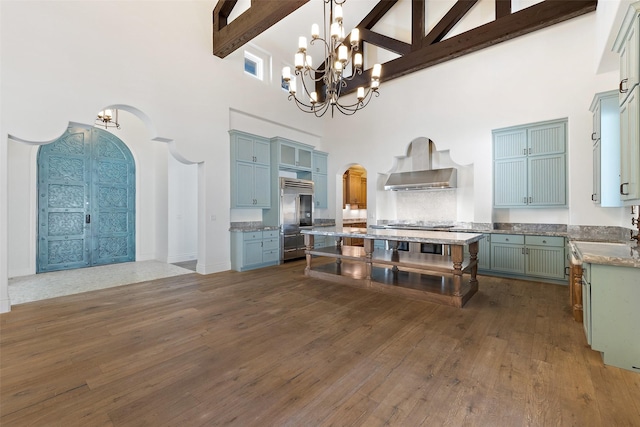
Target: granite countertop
column 443, row 237
column 619, row 254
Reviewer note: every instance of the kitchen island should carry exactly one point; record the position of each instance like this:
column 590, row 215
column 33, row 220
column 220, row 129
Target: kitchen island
column 431, row 277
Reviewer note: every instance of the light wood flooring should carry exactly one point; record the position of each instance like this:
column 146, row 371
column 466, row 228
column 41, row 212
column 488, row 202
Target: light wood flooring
column 272, row 347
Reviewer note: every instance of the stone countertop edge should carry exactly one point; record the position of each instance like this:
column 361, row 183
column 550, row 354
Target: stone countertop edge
column 254, row 228
column 442, row 237
column 617, row 254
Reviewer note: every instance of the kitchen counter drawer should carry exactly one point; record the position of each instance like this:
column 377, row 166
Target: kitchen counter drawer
column 512, row 239
column 269, row 234
column 544, row 240
column 269, row 244
column 252, row 235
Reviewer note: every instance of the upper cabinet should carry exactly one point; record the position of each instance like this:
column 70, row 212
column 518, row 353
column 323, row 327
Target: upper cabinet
column 250, row 171
column 606, row 149
column 319, row 177
column 293, row 155
column 529, row 165
column 627, row 46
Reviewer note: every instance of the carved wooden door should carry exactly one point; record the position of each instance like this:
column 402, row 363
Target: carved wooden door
column 86, row 201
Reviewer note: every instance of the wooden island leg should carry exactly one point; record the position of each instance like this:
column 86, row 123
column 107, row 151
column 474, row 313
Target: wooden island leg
column 368, row 249
column 457, row 254
column 473, row 251
column 308, row 242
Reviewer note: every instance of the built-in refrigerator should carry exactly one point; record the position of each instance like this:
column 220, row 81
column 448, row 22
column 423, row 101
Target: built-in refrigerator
column 296, row 213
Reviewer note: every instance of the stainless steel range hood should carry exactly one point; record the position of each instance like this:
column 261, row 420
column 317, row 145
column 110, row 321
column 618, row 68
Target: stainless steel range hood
column 422, row 180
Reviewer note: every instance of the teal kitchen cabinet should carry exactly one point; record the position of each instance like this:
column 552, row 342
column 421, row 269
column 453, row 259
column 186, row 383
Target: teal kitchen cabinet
column 293, row 155
column 254, row 249
column 544, row 257
column 630, row 148
column 531, row 256
column 529, row 165
column 507, row 253
column 319, row 177
column 627, row 45
column 610, row 313
column 250, row 171
column 606, row 149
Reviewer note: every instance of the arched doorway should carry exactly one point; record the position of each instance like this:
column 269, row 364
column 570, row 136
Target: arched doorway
column 86, row 201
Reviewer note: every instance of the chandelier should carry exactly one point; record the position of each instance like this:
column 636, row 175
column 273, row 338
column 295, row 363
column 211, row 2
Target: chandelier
column 108, row 118
column 340, row 65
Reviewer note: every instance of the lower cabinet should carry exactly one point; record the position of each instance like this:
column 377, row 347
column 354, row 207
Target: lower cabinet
column 611, row 315
column 534, row 256
column 254, row 249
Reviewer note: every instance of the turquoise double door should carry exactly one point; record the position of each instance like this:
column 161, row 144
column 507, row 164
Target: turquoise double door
column 86, row 201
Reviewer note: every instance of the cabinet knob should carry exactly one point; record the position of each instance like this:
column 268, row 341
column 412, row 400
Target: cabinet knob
column 593, row 136
column 544, row 241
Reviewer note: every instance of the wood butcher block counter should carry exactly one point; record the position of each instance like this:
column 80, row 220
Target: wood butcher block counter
column 430, row 277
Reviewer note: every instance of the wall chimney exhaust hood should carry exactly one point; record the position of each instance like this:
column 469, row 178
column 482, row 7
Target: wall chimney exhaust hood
column 422, row 180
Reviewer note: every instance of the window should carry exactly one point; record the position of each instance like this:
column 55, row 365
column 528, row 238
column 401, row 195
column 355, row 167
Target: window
column 253, row 65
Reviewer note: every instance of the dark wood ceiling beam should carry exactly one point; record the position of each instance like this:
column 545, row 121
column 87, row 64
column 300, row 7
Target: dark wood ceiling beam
column 538, row 16
column 448, row 21
column 503, row 8
column 261, row 15
column 376, row 14
column 417, row 23
column 223, row 10
column 385, row 42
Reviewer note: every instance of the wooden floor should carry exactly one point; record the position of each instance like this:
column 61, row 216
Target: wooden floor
column 274, row 348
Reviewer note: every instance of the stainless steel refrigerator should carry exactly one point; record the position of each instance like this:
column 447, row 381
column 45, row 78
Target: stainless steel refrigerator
column 296, row 213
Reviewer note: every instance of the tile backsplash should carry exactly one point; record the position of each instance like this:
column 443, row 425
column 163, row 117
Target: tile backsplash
column 435, row 205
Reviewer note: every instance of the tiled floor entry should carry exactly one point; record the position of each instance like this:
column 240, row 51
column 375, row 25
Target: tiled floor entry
column 37, row 287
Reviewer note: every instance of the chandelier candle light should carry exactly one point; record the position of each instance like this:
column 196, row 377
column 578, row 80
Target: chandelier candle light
column 331, row 74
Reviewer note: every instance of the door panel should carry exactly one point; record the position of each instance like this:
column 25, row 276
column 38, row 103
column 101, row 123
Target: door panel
column 63, row 194
column 113, row 201
column 86, row 201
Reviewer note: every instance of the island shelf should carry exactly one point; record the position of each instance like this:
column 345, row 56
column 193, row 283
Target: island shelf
column 434, row 278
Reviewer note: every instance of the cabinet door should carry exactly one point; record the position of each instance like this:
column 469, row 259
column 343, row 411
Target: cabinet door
column 630, row 148
column 510, row 182
column 262, row 151
column 320, row 162
column 629, row 62
column 252, row 252
column 595, row 135
column 615, row 316
column 597, row 168
column 244, row 180
column 507, row 258
column 262, row 186
column 546, row 181
column 545, row 262
column 244, row 148
column 287, row 154
column 548, row 138
column 509, row 143
column 304, row 158
column 320, row 190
